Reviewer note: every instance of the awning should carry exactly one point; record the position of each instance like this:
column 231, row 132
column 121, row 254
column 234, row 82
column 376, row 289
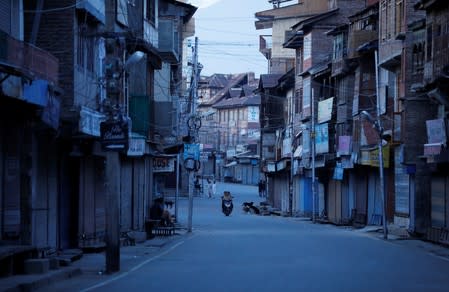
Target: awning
column 233, row 163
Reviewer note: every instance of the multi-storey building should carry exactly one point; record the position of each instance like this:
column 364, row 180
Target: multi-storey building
column 281, row 60
column 387, row 61
column 214, row 138
column 430, row 58
column 29, row 133
column 403, row 112
column 238, row 124
column 108, row 59
column 168, row 105
column 90, row 68
column 313, row 100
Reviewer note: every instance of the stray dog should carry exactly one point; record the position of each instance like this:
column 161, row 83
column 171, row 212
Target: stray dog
column 249, row 207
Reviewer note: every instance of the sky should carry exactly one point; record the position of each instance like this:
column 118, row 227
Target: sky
column 227, row 37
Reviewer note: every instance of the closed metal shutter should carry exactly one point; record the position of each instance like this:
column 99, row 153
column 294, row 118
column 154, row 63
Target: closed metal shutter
column 374, row 201
column 12, row 184
column 332, row 202
column 402, row 186
column 438, row 202
column 361, row 199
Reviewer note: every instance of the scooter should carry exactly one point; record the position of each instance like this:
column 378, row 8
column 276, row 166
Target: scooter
column 226, row 204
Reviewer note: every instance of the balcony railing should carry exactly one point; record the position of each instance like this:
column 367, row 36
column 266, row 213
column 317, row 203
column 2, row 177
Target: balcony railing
column 440, row 58
column 358, row 38
column 28, row 60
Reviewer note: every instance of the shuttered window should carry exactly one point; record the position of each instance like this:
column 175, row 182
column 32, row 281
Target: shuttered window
column 5, row 16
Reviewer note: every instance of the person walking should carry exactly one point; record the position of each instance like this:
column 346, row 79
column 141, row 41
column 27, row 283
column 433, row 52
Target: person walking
column 214, row 188
column 260, row 188
column 209, row 188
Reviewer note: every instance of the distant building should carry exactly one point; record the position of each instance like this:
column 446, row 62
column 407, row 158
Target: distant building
column 230, row 121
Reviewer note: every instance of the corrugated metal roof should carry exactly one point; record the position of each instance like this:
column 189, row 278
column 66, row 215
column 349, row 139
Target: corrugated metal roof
column 238, row 102
column 269, row 80
column 235, row 92
column 234, row 82
column 314, row 19
column 218, row 80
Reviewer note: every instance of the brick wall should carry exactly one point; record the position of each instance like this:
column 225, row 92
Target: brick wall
column 56, row 36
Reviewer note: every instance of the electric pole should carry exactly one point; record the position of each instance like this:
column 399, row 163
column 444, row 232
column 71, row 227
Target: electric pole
column 112, row 157
column 193, row 131
column 312, row 141
column 381, row 159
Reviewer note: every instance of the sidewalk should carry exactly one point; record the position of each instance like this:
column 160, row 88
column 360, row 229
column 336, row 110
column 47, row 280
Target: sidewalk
column 402, row 237
column 90, row 268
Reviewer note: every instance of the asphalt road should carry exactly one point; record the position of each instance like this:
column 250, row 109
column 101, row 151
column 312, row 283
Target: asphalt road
column 246, row 252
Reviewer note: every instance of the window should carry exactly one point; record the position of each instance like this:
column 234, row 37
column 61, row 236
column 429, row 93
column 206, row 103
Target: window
column 399, row 16
column 383, row 18
column 298, row 97
column 307, row 46
column 418, row 58
column 390, row 19
column 298, row 61
column 80, row 59
column 306, row 98
column 122, row 12
column 339, row 47
column 150, row 12
column 429, row 44
column 86, row 48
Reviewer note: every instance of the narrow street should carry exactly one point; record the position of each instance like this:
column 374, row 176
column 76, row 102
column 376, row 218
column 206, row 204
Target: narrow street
column 246, row 252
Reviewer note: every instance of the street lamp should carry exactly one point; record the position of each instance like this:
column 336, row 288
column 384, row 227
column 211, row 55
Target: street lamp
column 380, row 132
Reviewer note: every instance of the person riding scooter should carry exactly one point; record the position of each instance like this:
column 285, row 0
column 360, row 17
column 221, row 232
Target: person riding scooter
column 226, row 203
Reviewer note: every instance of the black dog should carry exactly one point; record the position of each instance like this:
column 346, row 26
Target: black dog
column 249, row 207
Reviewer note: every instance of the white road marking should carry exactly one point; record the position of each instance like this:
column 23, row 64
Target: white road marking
column 134, row 269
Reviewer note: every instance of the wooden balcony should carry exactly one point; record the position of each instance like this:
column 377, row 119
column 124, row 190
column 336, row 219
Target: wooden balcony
column 434, row 68
column 24, row 59
column 358, row 38
column 265, row 45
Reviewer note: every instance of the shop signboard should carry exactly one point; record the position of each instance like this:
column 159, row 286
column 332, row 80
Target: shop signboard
column 114, row 135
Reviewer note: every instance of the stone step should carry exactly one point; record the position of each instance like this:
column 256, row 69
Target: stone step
column 37, row 266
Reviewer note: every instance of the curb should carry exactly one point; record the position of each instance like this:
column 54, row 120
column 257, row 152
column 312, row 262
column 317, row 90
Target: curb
column 46, row 280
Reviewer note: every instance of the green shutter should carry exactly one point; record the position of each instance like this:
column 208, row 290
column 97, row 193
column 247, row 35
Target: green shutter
column 139, row 112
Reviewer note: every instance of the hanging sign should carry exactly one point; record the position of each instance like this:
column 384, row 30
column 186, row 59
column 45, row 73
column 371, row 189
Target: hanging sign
column 114, row 135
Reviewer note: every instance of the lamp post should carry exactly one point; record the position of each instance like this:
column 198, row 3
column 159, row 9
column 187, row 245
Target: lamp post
column 380, row 132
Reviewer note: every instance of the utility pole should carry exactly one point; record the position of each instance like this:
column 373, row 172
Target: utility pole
column 378, row 126
column 290, row 199
column 312, row 141
column 194, row 86
column 381, row 159
column 112, row 163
